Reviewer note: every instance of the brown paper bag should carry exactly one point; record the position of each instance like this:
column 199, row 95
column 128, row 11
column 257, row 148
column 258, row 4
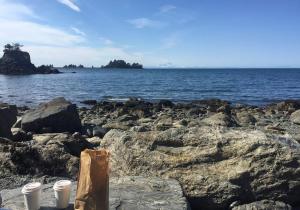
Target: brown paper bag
column 93, row 182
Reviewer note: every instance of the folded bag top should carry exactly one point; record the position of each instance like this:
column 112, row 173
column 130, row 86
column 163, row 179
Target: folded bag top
column 93, row 182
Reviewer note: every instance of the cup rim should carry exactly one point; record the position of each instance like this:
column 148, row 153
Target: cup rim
column 62, row 184
column 31, row 187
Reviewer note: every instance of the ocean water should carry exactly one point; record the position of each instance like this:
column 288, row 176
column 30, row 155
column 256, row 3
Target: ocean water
column 248, row 86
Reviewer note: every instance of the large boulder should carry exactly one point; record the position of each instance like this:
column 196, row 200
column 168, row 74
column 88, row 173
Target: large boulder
column 216, row 166
column 8, row 116
column 58, row 115
column 295, row 117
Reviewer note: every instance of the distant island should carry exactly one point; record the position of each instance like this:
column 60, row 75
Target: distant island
column 121, row 64
column 73, row 66
column 17, row 62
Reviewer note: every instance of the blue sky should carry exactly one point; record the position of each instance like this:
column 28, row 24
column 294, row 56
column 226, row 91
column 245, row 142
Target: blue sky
column 157, row 33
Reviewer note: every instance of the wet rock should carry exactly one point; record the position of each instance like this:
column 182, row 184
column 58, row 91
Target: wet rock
column 8, row 116
column 295, row 117
column 57, row 115
column 264, row 205
column 215, row 167
column 126, row 193
column 99, row 131
column 165, row 104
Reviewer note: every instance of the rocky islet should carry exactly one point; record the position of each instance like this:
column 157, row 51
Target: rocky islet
column 17, row 62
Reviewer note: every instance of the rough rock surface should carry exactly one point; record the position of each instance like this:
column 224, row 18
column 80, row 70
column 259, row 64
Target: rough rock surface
column 57, row 115
column 127, row 193
column 215, row 165
column 47, row 154
column 264, row 205
column 8, row 116
column 295, row 117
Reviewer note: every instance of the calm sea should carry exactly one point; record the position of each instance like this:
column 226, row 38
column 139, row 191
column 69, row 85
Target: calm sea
column 250, row 86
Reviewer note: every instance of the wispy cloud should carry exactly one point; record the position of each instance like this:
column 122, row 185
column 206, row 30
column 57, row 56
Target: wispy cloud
column 16, row 18
column 49, row 44
column 70, row 4
column 78, row 31
column 106, row 41
column 35, row 33
column 145, row 22
column 13, row 10
column 167, row 8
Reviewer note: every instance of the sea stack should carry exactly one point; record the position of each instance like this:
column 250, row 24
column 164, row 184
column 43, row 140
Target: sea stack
column 17, row 62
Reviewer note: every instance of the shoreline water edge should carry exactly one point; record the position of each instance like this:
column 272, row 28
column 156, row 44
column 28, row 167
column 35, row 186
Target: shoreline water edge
column 223, row 156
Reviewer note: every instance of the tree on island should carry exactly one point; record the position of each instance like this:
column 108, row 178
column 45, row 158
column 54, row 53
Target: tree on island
column 73, row 66
column 122, row 65
column 12, row 47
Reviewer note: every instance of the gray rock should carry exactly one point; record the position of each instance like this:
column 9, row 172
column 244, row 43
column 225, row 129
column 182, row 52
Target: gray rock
column 295, row 117
column 48, row 154
column 215, row 166
column 220, row 119
column 127, row 193
column 57, row 115
column 8, row 116
column 264, row 205
column 244, row 118
column 99, row 131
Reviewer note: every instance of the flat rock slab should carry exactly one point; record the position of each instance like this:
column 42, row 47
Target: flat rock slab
column 127, row 193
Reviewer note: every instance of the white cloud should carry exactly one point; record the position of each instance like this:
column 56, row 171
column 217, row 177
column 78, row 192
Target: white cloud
column 16, row 26
column 167, row 8
column 13, row 10
column 144, row 22
column 70, row 4
column 52, row 45
column 106, row 41
column 87, row 56
column 78, row 31
column 35, row 33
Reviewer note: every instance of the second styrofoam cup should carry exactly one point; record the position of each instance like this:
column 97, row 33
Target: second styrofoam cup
column 62, row 191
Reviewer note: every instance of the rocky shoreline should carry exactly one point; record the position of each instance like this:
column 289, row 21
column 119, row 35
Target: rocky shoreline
column 224, row 156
